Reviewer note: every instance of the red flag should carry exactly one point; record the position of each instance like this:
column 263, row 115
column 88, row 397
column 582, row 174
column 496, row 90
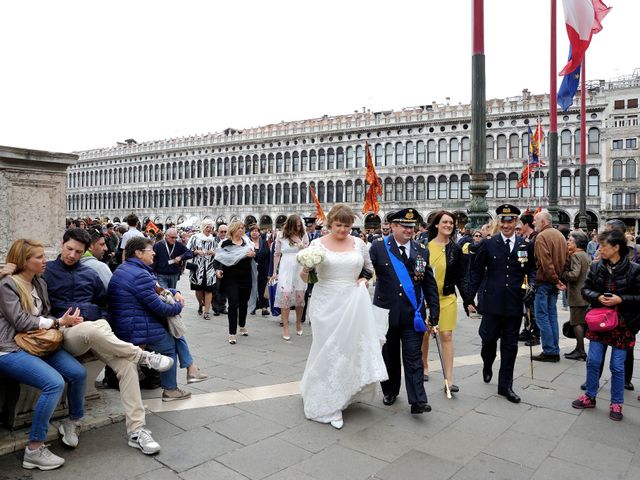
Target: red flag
column 524, row 177
column 375, row 186
column 319, row 212
column 151, row 229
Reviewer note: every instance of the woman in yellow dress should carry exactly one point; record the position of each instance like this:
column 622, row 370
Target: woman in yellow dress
column 446, row 260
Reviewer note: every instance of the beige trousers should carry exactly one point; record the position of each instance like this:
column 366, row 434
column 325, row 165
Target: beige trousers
column 121, row 356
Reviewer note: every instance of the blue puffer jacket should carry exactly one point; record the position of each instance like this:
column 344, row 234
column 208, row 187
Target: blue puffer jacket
column 75, row 286
column 137, row 313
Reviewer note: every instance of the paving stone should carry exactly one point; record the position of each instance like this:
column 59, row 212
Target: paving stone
column 633, row 473
column 415, row 465
column 278, row 369
column 199, row 417
column 557, row 469
column 591, row 424
column 290, row 474
column 595, row 455
column 160, row 428
column 286, row 411
column 259, row 380
column 481, row 424
column 521, row 448
column 459, row 405
column 161, row 473
column 426, row 425
column 229, row 372
column 194, row 447
column 264, row 458
column 500, row 407
column 340, row 463
column 241, row 360
column 384, row 442
column 455, row 445
column 544, row 423
column 211, row 470
column 246, row 428
column 488, row 467
column 313, row 436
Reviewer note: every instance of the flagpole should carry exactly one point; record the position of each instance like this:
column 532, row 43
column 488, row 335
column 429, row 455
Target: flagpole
column 478, row 205
column 553, row 121
column 583, row 148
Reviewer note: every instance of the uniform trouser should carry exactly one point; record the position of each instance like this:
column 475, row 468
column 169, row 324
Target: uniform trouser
column 411, row 359
column 506, row 329
column 121, row 356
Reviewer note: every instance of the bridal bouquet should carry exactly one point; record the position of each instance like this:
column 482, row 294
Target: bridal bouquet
column 310, row 258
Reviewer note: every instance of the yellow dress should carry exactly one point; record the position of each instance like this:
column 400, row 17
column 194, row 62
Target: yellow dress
column 448, row 303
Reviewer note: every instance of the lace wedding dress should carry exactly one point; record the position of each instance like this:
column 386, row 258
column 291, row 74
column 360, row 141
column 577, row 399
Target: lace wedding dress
column 348, row 333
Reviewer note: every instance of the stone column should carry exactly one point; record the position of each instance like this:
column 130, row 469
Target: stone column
column 33, row 197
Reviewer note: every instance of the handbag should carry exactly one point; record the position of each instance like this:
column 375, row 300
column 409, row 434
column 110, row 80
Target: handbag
column 191, row 266
column 40, row 342
column 602, row 319
column 175, row 323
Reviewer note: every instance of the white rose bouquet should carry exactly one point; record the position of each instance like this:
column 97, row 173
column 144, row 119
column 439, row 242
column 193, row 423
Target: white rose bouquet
column 310, row 258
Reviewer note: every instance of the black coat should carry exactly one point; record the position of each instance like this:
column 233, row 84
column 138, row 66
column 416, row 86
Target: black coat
column 389, row 293
column 262, row 258
column 502, row 292
column 624, row 281
column 455, row 273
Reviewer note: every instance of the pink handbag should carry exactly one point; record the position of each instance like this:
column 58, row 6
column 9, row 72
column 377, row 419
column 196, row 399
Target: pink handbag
column 602, row 319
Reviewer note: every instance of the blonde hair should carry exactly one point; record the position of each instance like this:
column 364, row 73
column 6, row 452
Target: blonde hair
column 207, row 222
column 342, row 213
column 19, row 253
column 234, row 227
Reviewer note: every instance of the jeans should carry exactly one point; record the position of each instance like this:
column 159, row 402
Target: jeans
column 596, row 353
column 48, row 374
column 168, row 281
column 184, row 354
column 172, row 347
column 547, row 318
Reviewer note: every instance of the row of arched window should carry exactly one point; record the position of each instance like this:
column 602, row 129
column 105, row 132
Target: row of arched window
column 629, row 170
column 398, row 189
column 515, row 146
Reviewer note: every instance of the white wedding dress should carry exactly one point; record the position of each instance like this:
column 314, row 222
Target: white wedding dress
column 348, row 334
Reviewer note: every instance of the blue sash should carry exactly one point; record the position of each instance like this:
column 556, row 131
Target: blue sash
column 407, row 285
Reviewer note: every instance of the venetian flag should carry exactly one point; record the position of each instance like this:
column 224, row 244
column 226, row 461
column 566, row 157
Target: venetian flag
column 320, row 216
column 151, row 229
column 583, row 18
column 375, row 186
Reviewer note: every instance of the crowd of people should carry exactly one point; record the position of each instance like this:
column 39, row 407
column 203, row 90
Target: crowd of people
column 112, row 291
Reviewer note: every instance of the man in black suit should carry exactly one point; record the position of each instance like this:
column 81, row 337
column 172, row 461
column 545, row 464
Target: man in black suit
column 503, row 261
column 394, row 257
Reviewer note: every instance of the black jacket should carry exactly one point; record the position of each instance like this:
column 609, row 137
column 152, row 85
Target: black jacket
column 623, row 280
column 455, row 273
column 389, row 293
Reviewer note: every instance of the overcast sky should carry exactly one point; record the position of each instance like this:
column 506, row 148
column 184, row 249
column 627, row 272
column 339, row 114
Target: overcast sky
column 82, row 74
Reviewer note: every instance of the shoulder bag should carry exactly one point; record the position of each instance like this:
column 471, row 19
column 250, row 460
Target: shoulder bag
column 40, row 342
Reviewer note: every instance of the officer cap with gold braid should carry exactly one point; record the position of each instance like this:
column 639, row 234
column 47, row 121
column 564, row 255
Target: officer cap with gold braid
column 508, row 212
column 407, row 217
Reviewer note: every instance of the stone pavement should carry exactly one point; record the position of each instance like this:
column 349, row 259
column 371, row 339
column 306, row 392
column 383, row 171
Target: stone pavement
column 247, row 421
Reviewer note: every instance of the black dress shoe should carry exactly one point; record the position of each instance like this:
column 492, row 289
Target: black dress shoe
column 546, row 357
column 425, row 377
column 389, row 399
column 628, row 386
column 453, row 388
column 509, row 394
column 575, row 355
column 487, row 374
column 418, row 408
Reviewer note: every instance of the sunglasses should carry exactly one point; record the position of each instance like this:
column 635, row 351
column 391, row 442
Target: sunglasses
column 477, row 236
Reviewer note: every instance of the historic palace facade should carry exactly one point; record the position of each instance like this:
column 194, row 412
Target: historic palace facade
column 422, row 155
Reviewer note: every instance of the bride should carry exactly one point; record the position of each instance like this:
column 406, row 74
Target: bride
column 348, row 330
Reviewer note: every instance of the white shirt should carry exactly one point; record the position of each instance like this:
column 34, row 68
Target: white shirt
column 132, row 232
column 407, row 247
column 512, row 241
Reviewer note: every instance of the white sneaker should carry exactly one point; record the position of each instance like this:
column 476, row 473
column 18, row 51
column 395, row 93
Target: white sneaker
column 41, row 458
column 143, row 440
column 69, row 430
column 156, row 361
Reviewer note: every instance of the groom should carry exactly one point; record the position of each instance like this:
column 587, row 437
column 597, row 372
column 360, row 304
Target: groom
column 404, row 282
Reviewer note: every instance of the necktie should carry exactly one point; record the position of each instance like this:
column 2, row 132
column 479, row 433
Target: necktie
column 508, row 241
column 403, row 252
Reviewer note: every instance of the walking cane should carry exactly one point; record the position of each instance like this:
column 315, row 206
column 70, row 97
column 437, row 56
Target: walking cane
column 529, row 326
column 446, row 382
